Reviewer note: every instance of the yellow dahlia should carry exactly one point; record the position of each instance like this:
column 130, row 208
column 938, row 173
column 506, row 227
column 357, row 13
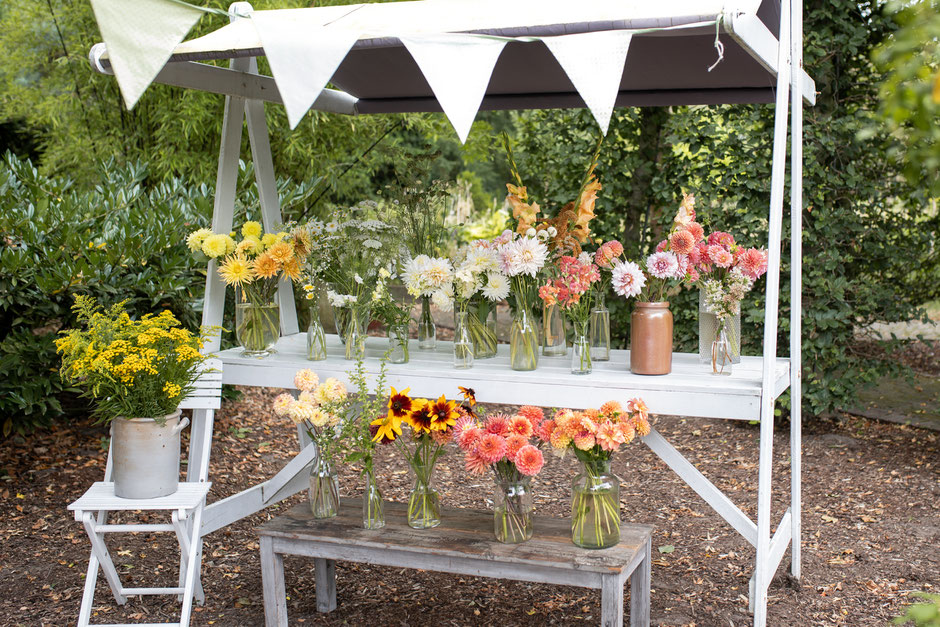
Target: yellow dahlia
column 196, row 238
column 214, row 246
column 251, row 229
column 264, row 266
column 236, row 270
column 281, row 252
column 269, row 240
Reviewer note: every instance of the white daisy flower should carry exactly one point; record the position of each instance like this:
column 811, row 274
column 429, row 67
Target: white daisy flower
column 332, row 226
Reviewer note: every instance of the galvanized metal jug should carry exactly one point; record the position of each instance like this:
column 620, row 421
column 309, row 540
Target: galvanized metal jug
column 145, row 456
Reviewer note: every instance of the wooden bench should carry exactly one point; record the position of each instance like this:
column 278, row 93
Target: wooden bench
column 463, row 544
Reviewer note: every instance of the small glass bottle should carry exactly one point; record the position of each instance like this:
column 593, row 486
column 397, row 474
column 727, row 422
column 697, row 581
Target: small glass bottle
column 424, row 503
column 721, row 352
column 427, row 332
column 324, row 490
column 316, row 337
column 463, row 343
column 553, row 331
column 398, row 344
column 581, row 353
column 373, row 507
column 600, row 330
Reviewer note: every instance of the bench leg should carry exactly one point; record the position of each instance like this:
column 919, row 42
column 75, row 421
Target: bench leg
column 325, row 571
column 272, row 585
column 612, row 601
column 640, row 590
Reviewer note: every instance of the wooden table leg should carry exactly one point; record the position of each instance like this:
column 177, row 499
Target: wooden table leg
column 612, row 601
column 272, row 585
column 640, row 590
column 325, row 571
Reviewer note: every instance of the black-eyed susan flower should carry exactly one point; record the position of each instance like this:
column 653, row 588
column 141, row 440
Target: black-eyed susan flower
column 420, row 418
column 400, row 404
column 444, row 414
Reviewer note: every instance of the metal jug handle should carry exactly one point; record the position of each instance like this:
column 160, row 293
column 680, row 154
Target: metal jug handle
column 182, row 425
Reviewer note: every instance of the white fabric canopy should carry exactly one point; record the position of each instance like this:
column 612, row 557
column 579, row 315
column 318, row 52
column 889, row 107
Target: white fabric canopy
column 463, row 55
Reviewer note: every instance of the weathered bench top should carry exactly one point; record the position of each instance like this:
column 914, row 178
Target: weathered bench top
column 463, row 533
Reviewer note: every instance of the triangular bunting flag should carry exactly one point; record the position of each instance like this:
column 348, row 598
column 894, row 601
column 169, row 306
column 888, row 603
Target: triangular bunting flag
column 140, row 36
column 458, row 69
column 303, row 55
column 594, row 63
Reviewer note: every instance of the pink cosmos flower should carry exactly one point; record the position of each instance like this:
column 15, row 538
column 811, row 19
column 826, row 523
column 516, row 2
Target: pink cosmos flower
column 529, row 460
column 720, row 256
column 491, row 447
column 628, row 279
column 753, row 263
column 663, row 265
column 682, row 242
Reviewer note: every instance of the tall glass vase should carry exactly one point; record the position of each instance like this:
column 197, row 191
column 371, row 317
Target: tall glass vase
column 595, row 506
column 721, row 351
column 316, row 336
column 427, row 332
column 424, row 503
column 512, row 511
column 553, row 331
column 355, row 332
column 523, row 341
column 373, row 507
column 600, row 330
column 324, row 490
column 257, row 323
column 482, row 328
column 581, row 351
column 708, row 324
column 463, row 343
column 398, row 344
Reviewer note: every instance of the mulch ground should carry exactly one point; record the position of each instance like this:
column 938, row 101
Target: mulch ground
column 871, row 503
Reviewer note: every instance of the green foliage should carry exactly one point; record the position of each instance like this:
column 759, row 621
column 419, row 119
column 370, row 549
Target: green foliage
column 114, row 242
column 910, row 93
column 869, row 243
column 922, row 614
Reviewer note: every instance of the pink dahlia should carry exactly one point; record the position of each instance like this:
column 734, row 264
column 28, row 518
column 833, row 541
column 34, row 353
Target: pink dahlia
column 628, row 279
column 529, row 460
column 720, row 256
column 753, row 263
column 497, row 424
column 544, row 430
column 306, row 380
column 663, row 265
column 697, row 230
column 584, row 441
column 663, row 245
column 475, row 464
column 491, row 447
column 610, row 408
column 721, row 238
column 534, row 414
column 627, row 431
column 467, row 432
column 513, row 443
column 520, row 425
column 609, row 436
column 682, row 242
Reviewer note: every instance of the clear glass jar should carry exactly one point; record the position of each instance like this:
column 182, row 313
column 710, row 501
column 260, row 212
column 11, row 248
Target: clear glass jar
column 373, row 507
column 316, row 337
column 427, row 332
column 324, row 490
column 553, row 331
column 482, row 321
column 523, row 341
column 595, row 506
column 398, row 344
column 512, row 511
column 600, row 330
column 257, row 323
column 463, row 343
column 581, row 353
column 355, row 332
column 721, row 352
column 424, row 503
column 708, row 332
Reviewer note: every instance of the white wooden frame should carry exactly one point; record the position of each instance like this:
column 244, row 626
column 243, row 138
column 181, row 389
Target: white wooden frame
column 770, row 548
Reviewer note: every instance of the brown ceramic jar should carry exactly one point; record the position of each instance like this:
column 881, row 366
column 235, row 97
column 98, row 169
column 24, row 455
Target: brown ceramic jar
column 651, row 339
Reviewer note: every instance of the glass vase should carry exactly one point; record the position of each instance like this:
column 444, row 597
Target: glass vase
column 316, row 337
column 424, row 503
column 463, row 343
column 427, row 332
column 257, row 323
column 721, row 352
column 341, row 320
column 523, row 341
column 595, row 506
column 581, row 353
column 398, row 344
column 354, row 334
column 373, row 507
column 482, row 327
column 324, row 490
column 512, row 511
column 708, row 332
column 553, row 331
column 600, row 330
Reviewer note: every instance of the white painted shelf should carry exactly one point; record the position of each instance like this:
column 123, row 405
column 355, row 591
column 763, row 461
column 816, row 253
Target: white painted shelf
column 690, row 390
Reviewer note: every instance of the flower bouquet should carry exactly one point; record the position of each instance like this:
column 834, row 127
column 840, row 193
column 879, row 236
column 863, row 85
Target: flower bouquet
column 605, row 257
column 431, row 279
column 137, row 372
column 319, row 409
column 253, row 266
column 431, row 424
column 503, row 444
column 522, row 260
column 571, row 290
column 595, row 435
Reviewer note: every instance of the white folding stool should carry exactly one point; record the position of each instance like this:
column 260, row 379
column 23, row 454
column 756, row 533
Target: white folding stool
column 185, row 507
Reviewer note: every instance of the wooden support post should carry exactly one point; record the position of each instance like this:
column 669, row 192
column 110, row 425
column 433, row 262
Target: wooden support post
column 612, row 601
column 640, row 590
column 325, row 573
column 272, row 585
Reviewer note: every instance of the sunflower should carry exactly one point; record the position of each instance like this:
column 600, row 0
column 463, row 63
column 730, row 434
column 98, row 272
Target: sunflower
column 388, row 428
column 443, row 414
column 400, row 404
column 264, row 266
column 421, row 419
column 236, row 270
